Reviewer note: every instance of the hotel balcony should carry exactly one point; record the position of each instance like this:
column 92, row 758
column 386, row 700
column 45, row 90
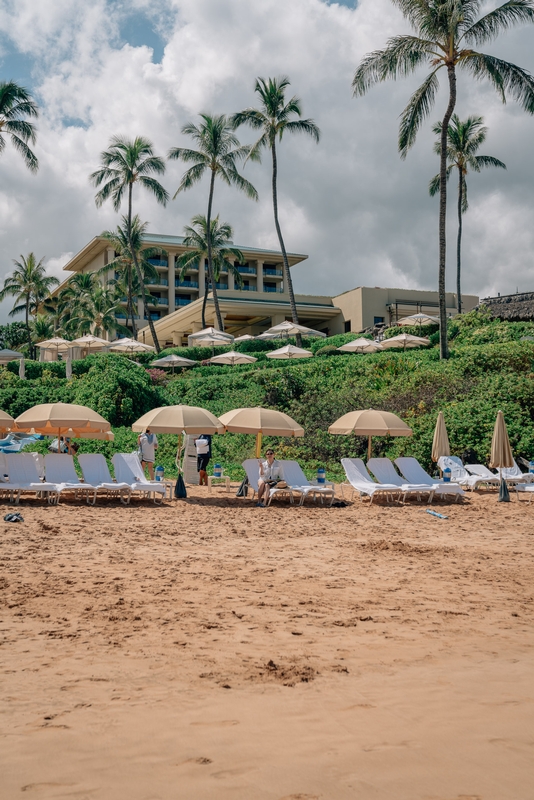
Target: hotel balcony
column 182, row 301
column 247, row 288
column 246, row 270
column 271, row 271
column 186, row 284
column 159, row 282
column 221, row 286
column 158, row 262
column 273, row 289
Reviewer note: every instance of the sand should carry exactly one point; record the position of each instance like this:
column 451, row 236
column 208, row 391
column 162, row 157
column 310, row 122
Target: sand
column 210, row 649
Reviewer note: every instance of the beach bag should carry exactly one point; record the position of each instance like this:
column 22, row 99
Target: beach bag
column 202, row 446
column 180, row 492
column 243, row 488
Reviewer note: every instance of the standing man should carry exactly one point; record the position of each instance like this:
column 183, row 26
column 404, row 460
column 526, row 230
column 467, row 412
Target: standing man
column 203, row 446
column 148, row 444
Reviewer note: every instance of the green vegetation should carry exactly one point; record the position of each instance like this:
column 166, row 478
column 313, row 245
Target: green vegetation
column 490, row 368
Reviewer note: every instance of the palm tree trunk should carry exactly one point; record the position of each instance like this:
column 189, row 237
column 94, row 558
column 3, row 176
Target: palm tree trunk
column 30, row 346
column 210, row 262
column 287, row 276
column 138, row 271
column 443, row 345
column 459, row 242
column 202, row 277
column 130, row 304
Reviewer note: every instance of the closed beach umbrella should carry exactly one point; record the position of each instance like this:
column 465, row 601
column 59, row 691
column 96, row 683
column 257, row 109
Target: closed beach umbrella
column 173, row 361
column 290, row 329
column 360, row 345
column 404, row 340
column 370, row 422
column 6, row 421
column 22, row 369
column 260, row 421
column 233, row 358
column 289, row 351
column 501, row 454
column 68, row 367
column 440, row 443
column 56, row 418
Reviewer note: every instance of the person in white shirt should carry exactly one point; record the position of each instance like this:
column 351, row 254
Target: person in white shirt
column 270, row 474
column 148, row 444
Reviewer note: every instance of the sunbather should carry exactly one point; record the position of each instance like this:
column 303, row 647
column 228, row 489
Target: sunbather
column 270, row 475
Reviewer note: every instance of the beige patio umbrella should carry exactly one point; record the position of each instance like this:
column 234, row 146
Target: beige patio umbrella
column 212, row 332
column 103, row 436
column 360, row 345
column 173, row 361
column 418, row 319
column 6, row 421
column 232, row 358
column 440, row 443
column 56, row 343
column 404, row 340
column 131, row 346
column 289, row 351
column 56, row 418
column 246, row 337
column 260, row 421
column 501, row 454
column 90, row 343
column 370, row 422
column 288, row 328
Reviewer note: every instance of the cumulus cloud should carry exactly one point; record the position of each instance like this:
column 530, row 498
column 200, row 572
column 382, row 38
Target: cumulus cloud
column 363, row 215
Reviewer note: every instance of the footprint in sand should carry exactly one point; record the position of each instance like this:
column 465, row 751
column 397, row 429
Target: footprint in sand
column 41, row 787
column 300, row 797
column 224, row 723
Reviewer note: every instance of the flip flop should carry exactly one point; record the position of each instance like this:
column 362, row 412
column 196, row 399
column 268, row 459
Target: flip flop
column 14, row 518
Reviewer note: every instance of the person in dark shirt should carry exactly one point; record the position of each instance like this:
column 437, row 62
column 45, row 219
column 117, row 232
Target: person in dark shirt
column 203, row 446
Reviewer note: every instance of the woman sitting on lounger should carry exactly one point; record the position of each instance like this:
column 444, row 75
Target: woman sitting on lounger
column 270, row 474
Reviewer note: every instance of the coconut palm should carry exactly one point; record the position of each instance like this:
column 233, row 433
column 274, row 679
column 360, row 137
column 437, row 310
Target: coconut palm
column 29, row 285
column 222, row 254
column 16, row 104
column 218, row 153
column 463, row 141
column 42, row 328
column 273, row 118
column 446, row 30
column 125, row 163
column 98, row 314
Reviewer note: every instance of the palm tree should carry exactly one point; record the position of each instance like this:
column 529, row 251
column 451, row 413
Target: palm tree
column 29, row 285
column 42, row 328
column 222, row 254
column 123, row 263
column 219, row 151
column 15, row 105
column 98, row 315
column 445, row 31
column 274, row 118
column 125, row 163
column 463, row 140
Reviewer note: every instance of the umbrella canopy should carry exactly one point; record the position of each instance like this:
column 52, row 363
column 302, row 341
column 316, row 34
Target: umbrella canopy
column 105, row 436
column 232, row 358
column 212, row 339
column 54, row 418
column 131, row 346
column 210, row 332
column 501, row 454
column 404, row 340
column 9, row 355
column 90, row 342
column 361, row 345
column 22, row 369
column 440, row 443
column 57, row 343
column 370, row 422
column 418, row 319
column 260, row 421
column 173, row 361
column 6, row 421
column 290, row 351
column 245, row 338
column 290, row 329
column 176, row 419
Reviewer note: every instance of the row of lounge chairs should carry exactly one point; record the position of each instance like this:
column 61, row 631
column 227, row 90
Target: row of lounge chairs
column 471, row 476
column 295, row 480
column 54, row 475
column 413, row 480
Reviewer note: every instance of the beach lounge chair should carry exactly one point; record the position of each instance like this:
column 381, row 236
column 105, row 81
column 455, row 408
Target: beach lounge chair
column 59, row 469
column 483, row 473
column 128, row 470
column 459, row 473
column 360, row 481
column 414, row 473
column 521, row 488
column 252, row 468
column 297, row 480
column 514, row 475
column 24, row 477
column 96, row 472
column 385, row 472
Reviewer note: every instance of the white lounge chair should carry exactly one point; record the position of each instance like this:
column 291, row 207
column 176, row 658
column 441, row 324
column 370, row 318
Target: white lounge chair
column 252, row 468
column 24, row 477
column 128, row 470
column 297, row 480
column 459, row 473
column 360, row 481
column 385, row 472
column 483, row 473
column 59, row 469
column 96, row 472
column 414, row 473
column 514, row 474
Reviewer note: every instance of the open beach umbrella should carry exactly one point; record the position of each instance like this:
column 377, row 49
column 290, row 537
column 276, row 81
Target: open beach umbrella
column 245, row 338
column 260, row 421
column 288, row 328
column 9, row 355
column 104, row 436
column 501, row 454
column 56, row 418
column 404, row 340
column 56, row 343
column 130, row 346
column 210, row 333
column 89, row 342
column 440, row 443
column 22, row 369
column 6, row 421
column 173, row 361
column 370, row 422
column 233, row 358
column 418, row 319
column 289, row 351
column 360, row 345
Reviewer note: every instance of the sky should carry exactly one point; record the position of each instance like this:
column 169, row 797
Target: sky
column 363, row 215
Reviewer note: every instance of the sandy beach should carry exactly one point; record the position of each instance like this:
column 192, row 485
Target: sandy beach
column 210, row 649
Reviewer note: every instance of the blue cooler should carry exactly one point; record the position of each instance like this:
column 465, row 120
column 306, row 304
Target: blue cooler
column 531, row 467
column 217, row 471
column 447, row 475
column 159, row 473
column 321, row 475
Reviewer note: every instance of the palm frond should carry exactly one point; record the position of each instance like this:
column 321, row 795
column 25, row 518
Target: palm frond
column 302, row 126
column 487, row 161
column 156, row 189
column 28, row 155
column 506, row 78
column 191, row 177
column 421, row 102
column 401, row 56
column 488, row 27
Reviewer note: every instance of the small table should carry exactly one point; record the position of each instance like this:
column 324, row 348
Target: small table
column 224, row 478
column 169, row 487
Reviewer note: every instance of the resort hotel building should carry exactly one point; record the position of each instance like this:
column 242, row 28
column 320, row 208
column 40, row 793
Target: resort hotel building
column 260, row 301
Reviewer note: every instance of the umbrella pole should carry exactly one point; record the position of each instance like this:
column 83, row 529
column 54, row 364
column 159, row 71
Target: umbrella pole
column 178, row 461
column 369, row 448
column 258, row 444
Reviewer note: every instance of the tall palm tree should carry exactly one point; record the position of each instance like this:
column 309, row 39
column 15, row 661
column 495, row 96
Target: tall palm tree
column 463, row 141
column 273, row 118
column 222, row 254
column 125, row 163
column 42, row 328
column 218, row 151
column 29, row 285
column 16, row 104
column 98, row 315
column 123, row 263
column 445, row 31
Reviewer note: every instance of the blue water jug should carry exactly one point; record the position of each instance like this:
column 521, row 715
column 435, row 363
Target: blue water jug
column 447, row 475
column 321, row 475
column 160, row 471
column 531, row 467
column 217, row 471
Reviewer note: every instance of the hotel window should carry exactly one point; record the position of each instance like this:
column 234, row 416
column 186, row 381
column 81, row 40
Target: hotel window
column 378, row 321
column 347, row 326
